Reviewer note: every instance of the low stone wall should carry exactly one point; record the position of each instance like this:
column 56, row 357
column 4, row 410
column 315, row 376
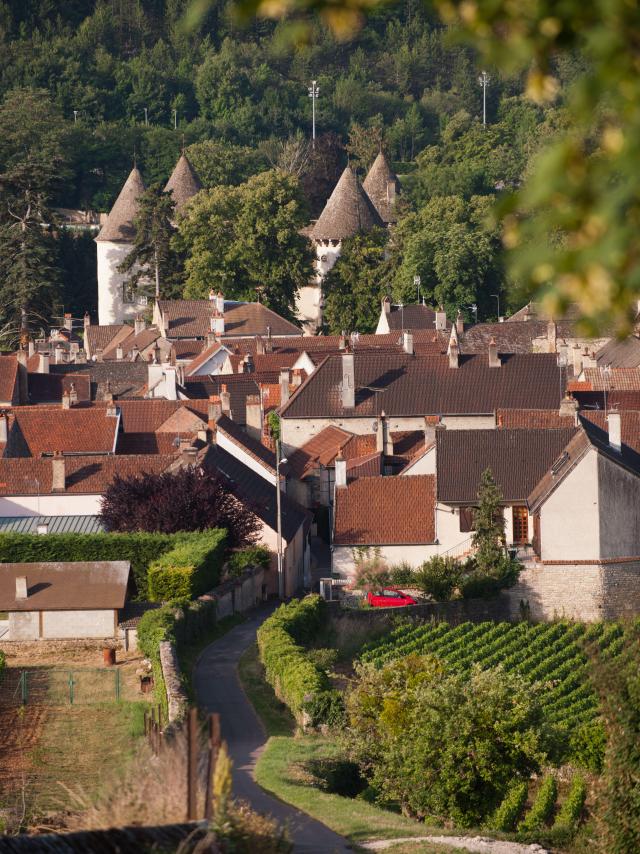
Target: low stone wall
column 459, row 611
column 177, row 700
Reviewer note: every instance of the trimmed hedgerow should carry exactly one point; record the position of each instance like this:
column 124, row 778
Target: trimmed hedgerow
column 188, row 570
column 253, row 556
column 509, row 811
column 571, row 810
column 293, row 675
column 154, row 627
column 542, row 807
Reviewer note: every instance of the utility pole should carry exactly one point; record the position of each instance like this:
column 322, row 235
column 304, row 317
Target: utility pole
column 146, row 116
column 484, row 81
column 416, row 282
column 75, row 116
column 280, row 460
column 175, row 119
column 314, row 91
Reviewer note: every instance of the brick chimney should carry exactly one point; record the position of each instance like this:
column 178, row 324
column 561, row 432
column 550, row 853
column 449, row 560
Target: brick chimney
column 615, row 430
column 66, row 400
column 386, row 305
column 494, row 359
column 73, row 395
column 58, row 475
column 441, row 319
column 569, row 408
column 214, row 408
column 139, row 324
column 43, row 364
column 454, row 354
column 552, row 336
column 259, row 346
column 384, row 443
column 285, row 380
column 459, row 323
column 348, row 381
column 254, row 416
column 340, row 465
column 407, row 343
column 22, row 591
column 4, row 428
column 225, row 400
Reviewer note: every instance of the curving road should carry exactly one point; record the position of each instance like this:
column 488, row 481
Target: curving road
column 218, row 689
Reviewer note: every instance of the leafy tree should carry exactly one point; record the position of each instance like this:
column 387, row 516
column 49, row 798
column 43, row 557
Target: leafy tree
column 246, row 239
column 189, row 499
column 489, row 535
column 444, row 745
column 152, row 257
column 224, row 163
column 356, row 283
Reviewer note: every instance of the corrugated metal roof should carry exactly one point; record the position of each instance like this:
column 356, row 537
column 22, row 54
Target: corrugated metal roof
column 56, row 524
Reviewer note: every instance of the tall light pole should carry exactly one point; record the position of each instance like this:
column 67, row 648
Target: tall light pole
column 175, row 119
column 497, row 297
column 146, row 116
column 416, row 282
column 484, row 81
column 75, row 116
column 314, row 91
column 279, row 461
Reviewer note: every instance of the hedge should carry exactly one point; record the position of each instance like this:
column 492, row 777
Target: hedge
column 252, row 556
column 571, row 810
column 542, row 807
column 509, row 811
column 154, row 627
column 188, row 570
column 293, row 675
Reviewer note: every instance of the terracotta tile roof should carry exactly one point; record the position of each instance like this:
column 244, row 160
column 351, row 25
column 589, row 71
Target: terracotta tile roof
column 369, row 465
column 620, row 379
column 149, row 443
column 192, row 319
column 186, row 349
column 238, row 386
column 376, row 186
column 140, row 342
column 49, row 388
column 202, row 358
column 85, row 474
column 426, row 385
column 532, row 418
column 184, row 182
column 9, row 386
column 105, row 337
column 149, row 416
column 517, row 458
column 119, row 227
column 65, row 586
column 183, row 420
column 602, row 400
column 81, row 430
column 124, row 379
column 321, row 450
column 629, row 424
column 386, row 511
column 348, row 211
column 254, row 448
column 620, row 354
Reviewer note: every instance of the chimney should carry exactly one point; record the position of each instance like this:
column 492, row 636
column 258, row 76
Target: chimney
column 4, row 431
column 58, row 355
column 220, row 303
column 348, row 381
column 225, row 401
column 87, row 320
column 459, row 323
column 441, row 319
column 112, row 410
column 134, row 354
column 297, row 377
column 552, row 336
column 429, row 433
column 68, row 322
column 119, row 353
column 211, row 338
column 98, row 355
column 254, row 416
column 32, row 348
column 342, row 341
column 66, row 400
column 569, row 408
column 268, row 344
column 384, row 444
column 139, row 324
column 248, row 366
column 577, row 360
column 386, row 305
column 259, row 345
column 217, row 323
column 43, row 364
column 494, row 359
column 285, row 380
column 212, row 297
column 58, row 477
column 407, row 343
column 21, row 356
column 615, row 430
column 453, row 354
column 81, row 357
column 188, row 453
column 21, row 587
column 340, row 471
column 215, row 408
column 73, row 395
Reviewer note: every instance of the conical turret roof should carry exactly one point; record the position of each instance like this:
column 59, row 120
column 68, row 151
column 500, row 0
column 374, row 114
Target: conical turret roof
column 184, row 182
column 119, row 227
column 348, row 211
column 382, row 186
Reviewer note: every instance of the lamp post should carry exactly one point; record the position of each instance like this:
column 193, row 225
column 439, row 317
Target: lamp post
column 314, row 91
column 497, row 297
column 483, row 80
column 416, row 284
column 280, row 460
column 146, row 116
column 175, row 119
column 75, row 116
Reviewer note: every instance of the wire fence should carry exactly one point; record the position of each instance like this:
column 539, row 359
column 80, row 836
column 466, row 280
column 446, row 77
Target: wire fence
column 59, row 687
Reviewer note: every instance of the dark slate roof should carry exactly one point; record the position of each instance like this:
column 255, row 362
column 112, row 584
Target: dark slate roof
column 348, row 211
column 250, row 445
column 119, row 227
column 49, row 388
column 256, row 492
column 512, row 337
column 412, row 317
column 101, row 337
column 125, row 379
column 238, row 386
column 55, row 524
column 517, row 458
column 376, row 186
column 620, row 354
column 426, row 385
column 192, row 319
column 184, row 182
column 60, row 586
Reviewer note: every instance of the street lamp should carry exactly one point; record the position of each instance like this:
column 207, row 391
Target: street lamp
column 484, row 81
column 314, row 91
column 416, row 284
column 146, row 116
column 175, row 119
column 75, row 116
column 279, row 461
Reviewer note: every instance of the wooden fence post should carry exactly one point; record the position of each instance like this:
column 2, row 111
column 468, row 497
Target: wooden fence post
column 213, row 747
column 192, row 765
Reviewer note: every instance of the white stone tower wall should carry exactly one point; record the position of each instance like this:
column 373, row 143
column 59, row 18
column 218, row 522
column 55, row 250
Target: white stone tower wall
column 111, row 305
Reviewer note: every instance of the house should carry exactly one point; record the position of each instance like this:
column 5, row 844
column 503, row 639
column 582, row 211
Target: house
column 13, row 380
column 36, row 431
column 50, row 601
column 177, row 319
column 400, row 318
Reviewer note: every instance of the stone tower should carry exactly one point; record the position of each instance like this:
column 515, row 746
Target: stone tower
column 382, row 187
column 184, row 182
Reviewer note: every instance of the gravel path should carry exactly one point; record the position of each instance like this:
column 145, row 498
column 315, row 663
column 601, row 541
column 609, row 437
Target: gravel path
column 218, row 689
column 479, row 844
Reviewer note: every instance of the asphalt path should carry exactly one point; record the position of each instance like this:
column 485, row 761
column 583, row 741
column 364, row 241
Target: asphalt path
column 218, row 689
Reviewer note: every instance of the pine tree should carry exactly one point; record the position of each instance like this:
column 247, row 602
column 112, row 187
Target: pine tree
column 489, row 538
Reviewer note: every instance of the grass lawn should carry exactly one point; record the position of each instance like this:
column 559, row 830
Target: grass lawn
column 188, row 653
column 275, row 716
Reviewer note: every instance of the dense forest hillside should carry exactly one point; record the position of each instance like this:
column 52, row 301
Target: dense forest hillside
column 110, row 80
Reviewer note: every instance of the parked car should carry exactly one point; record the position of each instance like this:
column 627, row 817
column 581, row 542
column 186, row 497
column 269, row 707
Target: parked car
column 389, row 597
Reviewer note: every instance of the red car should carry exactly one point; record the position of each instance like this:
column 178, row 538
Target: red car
column 389, row 597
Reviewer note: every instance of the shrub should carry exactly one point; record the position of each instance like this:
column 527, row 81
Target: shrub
column 326, row 708
column 587, row 746
column 438, row 577
column 324, row 657
column 3, row 661
column 542, row 807
column 154, row 627
column 371, row 573
column 509, row 811
column 402, row 574
column 253, row 556
column 477, row 581
column 188, row 570
column 571, row 810
column 288, row 669
column 337, row 776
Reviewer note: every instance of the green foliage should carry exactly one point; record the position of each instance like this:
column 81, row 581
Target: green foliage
column 444, row 744
column 507, row 814
column 324, row 657
column 154, row 627
column 189, row 569
column 571, row 810
column 438, row 577
column 3, row 661
column 326, row 708
column 253, row 556
column 588, row 742
column 402, row 574
column 288, row 669
column 476, row 582
column 542, row 807
column 488, row 522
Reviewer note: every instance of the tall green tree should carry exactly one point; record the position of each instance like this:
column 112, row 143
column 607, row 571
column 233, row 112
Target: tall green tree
column 489, row 536
column 245, row 240
column 153, row 258
column 355, row 285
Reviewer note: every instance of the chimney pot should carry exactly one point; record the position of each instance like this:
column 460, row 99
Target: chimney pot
column 494, row 359
column 43, row 364
column 297, row 377
column 22, row 591
column 139, row 324
column 386, row 305
column 569, row 408
column 441, row 319
column 407, row 343
column 73, row 395
column 58, row 475
column 459, row 323
column 4, row 432
column 66, row 400
column 615, row 430
column 215, row 408
column 225, row 400
column 253, row 410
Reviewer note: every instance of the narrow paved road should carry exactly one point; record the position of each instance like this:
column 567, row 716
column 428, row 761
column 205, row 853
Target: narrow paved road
column 218, row 689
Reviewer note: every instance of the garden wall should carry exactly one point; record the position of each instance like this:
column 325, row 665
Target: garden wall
column 498, row 608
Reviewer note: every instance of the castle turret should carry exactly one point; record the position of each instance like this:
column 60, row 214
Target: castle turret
column 114, row 242
column 382, row 187
column 184, row 182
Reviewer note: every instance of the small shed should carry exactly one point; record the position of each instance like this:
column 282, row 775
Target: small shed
column 47, row 601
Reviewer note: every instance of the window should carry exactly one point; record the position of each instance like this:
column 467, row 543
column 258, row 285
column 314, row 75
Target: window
column 520, row 525
column 466, row 519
